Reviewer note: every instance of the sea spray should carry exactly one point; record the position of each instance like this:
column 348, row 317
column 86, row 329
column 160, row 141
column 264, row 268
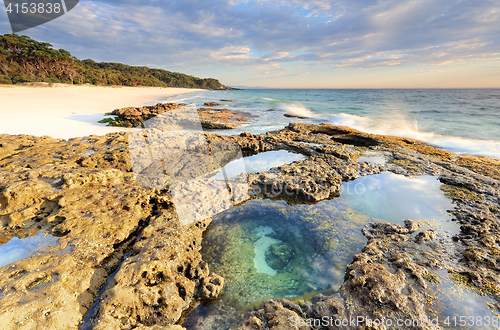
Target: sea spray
column 297, row 110
column 470, row 125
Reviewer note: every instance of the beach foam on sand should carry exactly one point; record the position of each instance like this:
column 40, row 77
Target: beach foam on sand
column 71, row 111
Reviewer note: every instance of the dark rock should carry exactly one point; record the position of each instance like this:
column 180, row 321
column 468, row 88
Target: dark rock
column 279, row 255
column 295, row 116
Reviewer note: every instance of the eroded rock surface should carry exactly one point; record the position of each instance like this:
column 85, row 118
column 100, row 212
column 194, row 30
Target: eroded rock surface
column 84, row 192
column 209, row 118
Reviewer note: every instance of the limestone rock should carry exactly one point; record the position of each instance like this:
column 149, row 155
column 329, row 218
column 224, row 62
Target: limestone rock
column 210, row 287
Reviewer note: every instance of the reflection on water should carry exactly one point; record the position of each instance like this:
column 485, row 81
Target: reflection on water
column 269, row 249
column 457, row 305
column 395, row 197
column 17, row 249
column 312, row 144
column 374, row 157
column 258, row 163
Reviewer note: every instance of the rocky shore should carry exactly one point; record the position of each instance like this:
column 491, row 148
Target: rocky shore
column 123, row 259
column 210, row 118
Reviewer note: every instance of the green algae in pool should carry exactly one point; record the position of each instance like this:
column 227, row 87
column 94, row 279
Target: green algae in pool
column 17, row 249
column 456, row 303
column 260, row 162
column 269, row 249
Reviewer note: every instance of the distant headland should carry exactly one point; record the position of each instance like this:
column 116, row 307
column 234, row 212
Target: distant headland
column 24, row 60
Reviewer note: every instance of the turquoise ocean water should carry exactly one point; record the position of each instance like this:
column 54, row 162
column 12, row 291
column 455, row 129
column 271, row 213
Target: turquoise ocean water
column 458, row 120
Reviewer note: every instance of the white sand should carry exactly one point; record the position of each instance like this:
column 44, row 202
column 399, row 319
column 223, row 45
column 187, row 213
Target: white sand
column 71, row 111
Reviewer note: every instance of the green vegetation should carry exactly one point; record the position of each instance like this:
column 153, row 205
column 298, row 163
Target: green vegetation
column 110, row 122
column 39, row 282
column 455, row 192
column 431, row 278
column 408, row 165
column 463, row 281
column 23, row 59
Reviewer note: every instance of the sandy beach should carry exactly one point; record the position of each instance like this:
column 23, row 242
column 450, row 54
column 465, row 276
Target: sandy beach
column 71, row 111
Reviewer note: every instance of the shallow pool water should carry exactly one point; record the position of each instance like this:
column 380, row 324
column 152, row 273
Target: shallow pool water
column 269, row 249
column 395, row 198
column 456, row 305
column 260, row 162
column 374, row 157
column 17, row 249
column 312, row 144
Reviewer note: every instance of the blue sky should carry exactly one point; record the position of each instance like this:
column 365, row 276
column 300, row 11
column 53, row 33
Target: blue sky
column 303, row 44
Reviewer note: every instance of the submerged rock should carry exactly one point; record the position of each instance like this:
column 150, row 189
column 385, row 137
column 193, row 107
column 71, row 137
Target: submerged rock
column 295, row 116
column 83, row 191
column 279, row 255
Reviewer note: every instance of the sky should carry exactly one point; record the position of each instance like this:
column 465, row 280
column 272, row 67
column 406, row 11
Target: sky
column 291, row 43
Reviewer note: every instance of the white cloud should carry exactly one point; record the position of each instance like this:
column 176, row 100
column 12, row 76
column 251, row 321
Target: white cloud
column 222, row 33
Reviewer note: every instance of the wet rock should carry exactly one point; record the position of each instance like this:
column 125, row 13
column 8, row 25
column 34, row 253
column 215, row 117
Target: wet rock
column 160, row 327
column 289, row 115
column 212, row 104
column 221, row 118
column 412, row 225
column 279, row 255
column 208, row 118
column 426, row 235
column 279, row 314
column 132, row 116
column 210, row 287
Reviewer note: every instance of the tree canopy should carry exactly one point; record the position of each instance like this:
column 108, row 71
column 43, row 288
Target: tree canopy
column 23, row 59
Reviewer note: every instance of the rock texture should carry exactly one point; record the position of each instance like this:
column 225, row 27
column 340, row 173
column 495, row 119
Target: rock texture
column 110, row 228
column 209, row 118
column 102, row 217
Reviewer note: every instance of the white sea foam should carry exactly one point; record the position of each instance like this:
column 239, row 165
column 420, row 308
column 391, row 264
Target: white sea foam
column 399, row 126
column 296, row 109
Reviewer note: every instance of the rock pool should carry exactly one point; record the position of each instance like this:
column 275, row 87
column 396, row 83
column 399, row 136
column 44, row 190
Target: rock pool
column 260, row 162
column 269, row 249
column 17, row 249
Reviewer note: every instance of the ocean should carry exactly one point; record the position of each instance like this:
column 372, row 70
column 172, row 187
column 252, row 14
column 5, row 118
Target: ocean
column 459, row 120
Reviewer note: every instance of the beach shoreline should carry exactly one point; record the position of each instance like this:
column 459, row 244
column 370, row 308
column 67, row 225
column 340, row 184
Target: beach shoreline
column 66, row 111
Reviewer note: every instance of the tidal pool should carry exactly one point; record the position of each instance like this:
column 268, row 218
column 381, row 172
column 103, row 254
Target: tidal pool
column 269, row 249
column 394, row 198
column 17, row 249
column 455, row 304
column 260, row 162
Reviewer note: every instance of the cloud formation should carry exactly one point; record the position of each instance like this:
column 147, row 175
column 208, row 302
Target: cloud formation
column 278, row 35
